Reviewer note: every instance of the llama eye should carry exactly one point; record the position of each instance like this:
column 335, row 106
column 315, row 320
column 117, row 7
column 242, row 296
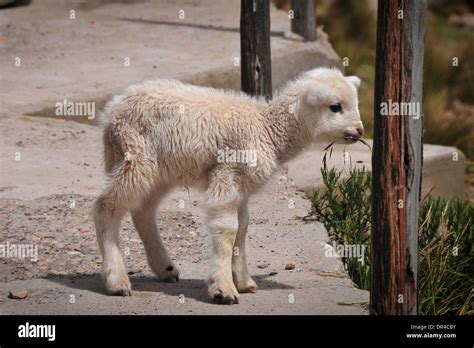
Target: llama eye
column 336, row 107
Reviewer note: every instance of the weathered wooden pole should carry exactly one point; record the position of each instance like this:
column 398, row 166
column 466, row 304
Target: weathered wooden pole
column 397, row 156
column 304, row 19
column 256, row 65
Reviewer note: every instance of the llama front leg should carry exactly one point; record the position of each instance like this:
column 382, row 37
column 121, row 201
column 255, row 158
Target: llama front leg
column 240, row 274
column 223, row 225
column 223, row 201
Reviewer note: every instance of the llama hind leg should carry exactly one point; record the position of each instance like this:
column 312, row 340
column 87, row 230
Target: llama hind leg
column 107, row 218
column 127, row 187
column 157, row 255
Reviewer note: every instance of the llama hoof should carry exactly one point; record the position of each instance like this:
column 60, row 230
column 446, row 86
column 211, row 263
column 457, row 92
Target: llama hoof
column 167, row 274
column 247, row 286
column 224, row 299
column 248, row 290
column 224, row 294
column 118, row 286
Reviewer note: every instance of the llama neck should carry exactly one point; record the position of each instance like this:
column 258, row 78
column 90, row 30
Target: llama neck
column 285, row 131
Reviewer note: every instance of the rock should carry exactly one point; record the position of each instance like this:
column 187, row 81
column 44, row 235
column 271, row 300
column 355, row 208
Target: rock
column 143, row 294
column 273, row 273
column 263, row 265
column 290, row 266
column 134, row 271
column 18, row 294
column 74, row 253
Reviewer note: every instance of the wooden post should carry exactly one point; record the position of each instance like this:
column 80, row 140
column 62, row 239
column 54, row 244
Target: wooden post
column 304, row 20
column 256, row 66
column 397, row 156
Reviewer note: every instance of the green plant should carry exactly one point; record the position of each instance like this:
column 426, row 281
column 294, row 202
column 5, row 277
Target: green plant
column 343, row 206
column 446, row 239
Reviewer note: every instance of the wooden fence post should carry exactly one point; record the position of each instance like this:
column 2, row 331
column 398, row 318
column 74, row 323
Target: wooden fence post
column 304, row 21
column 256, row 67
column 397, row 156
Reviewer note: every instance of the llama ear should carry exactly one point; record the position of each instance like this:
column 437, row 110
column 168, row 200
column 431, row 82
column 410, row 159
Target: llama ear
column 354, row 80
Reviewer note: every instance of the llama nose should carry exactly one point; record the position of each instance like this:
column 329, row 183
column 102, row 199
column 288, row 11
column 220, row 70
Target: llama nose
column 360, row 130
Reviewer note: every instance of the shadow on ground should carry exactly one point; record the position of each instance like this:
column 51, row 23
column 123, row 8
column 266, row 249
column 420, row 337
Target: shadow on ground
column 193, row 25
column 190, row 288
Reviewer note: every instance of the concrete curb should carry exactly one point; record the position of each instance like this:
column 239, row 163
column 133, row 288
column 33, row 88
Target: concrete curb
column 443, row 168
column 287, row 63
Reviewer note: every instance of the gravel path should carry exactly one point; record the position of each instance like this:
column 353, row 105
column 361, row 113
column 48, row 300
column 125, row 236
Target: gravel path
column 61, row 227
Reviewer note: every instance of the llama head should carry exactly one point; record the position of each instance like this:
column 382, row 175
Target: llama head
column 328, row 106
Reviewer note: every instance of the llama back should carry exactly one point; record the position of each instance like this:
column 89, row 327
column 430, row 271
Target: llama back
column 181, row 127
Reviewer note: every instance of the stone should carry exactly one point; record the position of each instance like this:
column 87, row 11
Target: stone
column 18, row 294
